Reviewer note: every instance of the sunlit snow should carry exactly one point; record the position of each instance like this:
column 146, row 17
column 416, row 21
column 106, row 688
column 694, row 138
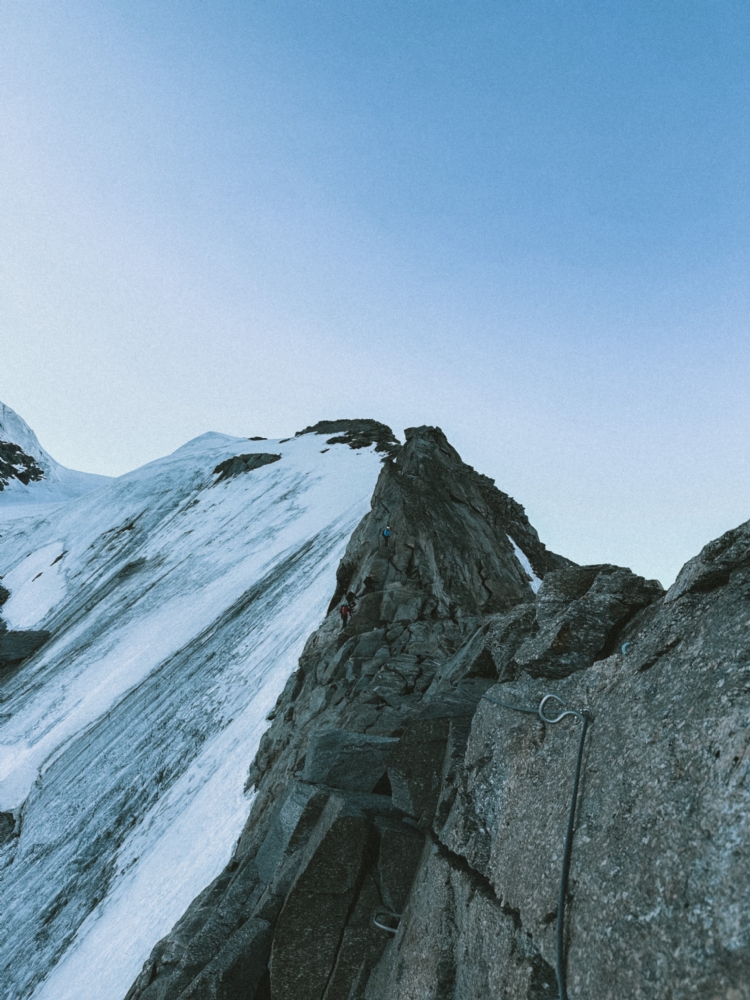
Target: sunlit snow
column 177, row 611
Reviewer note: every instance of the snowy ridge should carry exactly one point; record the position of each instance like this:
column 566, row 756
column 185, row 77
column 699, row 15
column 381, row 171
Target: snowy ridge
column 177, row 607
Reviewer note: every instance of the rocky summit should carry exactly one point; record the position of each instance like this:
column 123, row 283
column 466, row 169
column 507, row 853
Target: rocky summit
column 407, row 838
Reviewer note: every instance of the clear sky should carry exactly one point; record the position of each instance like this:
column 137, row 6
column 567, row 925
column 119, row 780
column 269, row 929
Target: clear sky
column 525, row 221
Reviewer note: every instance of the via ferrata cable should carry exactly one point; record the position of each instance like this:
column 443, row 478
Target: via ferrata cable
column 563, row 890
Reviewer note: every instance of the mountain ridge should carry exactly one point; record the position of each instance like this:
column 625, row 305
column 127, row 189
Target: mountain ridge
column 408, row 821
column 398, row 832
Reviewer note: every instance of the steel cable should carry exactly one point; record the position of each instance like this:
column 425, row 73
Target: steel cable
column 560, row 969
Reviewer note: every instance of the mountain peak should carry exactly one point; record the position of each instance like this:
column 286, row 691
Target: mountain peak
column 28, row 472
column 22, row 458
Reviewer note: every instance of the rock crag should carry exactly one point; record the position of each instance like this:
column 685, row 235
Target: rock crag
column 356, row 433
column 16, row 464
column 406, row 835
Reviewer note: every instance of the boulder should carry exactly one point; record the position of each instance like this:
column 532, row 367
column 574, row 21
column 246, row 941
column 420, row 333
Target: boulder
column 579, row 613
column 347, row 760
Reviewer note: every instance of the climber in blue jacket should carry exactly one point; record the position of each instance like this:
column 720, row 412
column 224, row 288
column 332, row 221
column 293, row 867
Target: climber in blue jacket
column 386, row 533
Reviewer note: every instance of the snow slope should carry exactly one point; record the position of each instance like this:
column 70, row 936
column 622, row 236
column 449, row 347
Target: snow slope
column 58, row 485
column 177, row 607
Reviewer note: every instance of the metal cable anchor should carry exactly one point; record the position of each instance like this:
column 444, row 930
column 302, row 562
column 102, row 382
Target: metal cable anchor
column 560, row 969
column 394, row 918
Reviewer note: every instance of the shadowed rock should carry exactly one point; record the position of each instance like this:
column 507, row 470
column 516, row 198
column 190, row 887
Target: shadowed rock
column 356, row 433
column 16, row 464
column 240, row 464
column 18, row 646
column 345, row 760
column 715, row 565
column 579, row 613
column 7, row 826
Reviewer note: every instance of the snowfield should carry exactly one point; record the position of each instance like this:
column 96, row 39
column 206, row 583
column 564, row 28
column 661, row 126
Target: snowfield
column 178, row 607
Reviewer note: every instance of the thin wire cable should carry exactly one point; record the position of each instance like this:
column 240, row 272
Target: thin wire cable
column 560, row 969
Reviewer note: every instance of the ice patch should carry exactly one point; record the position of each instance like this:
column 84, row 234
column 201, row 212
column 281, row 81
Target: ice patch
column 36, row 585
column 528, row 569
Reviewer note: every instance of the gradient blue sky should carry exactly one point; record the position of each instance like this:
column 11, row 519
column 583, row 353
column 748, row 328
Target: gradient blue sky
column 523, row 220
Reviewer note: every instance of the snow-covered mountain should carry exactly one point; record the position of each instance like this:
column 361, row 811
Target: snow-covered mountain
column 29, row 476
column 178, row 598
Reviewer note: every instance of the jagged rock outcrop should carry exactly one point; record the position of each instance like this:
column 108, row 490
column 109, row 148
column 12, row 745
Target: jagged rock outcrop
column 356, row 433
column 406, row 835
column 240, row 464
column 16, row 464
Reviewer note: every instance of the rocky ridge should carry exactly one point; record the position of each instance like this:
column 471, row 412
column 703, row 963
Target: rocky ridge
column 406, row 833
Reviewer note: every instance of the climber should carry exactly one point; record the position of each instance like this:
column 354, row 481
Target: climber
column 344, row 615
column 386, row 533
column 351, row 600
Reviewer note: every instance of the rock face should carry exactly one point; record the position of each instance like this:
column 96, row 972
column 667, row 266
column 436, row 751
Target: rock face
column 18, row 646
column 16, row 464
column 407, row 833
column 356, row 433
column 243, row 463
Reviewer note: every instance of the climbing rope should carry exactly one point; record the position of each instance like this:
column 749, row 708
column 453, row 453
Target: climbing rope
column 560, row 963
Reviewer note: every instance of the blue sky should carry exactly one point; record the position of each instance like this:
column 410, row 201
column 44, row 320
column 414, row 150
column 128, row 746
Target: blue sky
column 526, row 222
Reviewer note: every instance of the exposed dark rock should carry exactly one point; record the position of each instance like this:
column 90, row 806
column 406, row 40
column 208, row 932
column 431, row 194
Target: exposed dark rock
column 7, row 826
column 243, row 463
column 310, row 925
column 4, row 595
column 449, row 540
column 415, row 766
column 351, row 761
column 390, row 792
column 16, row 464
column 356, row 433
column 18, row 646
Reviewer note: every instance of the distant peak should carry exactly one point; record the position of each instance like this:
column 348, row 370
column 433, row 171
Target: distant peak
column 21, row 455
column 24, row 463
column 15, row 430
